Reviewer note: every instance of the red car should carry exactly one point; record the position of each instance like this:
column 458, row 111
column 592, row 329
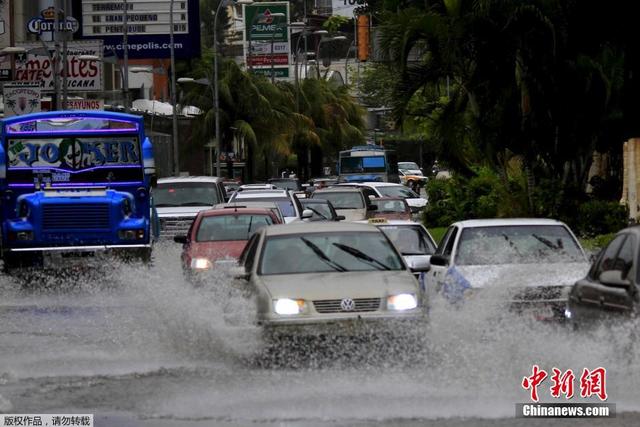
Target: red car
column 218, row 236
column 391, row 208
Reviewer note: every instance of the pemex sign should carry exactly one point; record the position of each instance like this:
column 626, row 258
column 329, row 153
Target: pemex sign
column 267, row 29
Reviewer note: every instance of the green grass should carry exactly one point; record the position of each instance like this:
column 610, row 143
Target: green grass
column 437, row 233
column 596, row 243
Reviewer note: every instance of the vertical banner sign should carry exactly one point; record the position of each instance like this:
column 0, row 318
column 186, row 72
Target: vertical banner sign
column 264, row 31
column 21, row 98
column 5, row 39
column 84, row 76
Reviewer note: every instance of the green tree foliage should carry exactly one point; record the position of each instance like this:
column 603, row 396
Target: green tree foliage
column 489, row 80
column 274, row 120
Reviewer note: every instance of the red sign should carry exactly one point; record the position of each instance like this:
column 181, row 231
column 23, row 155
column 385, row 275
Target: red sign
column 265, row 60
column 592, row 383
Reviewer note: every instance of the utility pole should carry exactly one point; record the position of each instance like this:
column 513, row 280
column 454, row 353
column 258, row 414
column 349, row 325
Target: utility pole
column 176, row 154
column 125, row 57
column 55, row 102
column 65, row 51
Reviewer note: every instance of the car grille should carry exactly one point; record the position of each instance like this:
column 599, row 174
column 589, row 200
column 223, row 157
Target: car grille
column 78, row 216
column 176, row 226
column 538, row 293
column 334, row 305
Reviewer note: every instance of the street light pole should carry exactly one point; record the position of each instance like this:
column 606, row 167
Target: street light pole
column 125, row 56
column 176, row 154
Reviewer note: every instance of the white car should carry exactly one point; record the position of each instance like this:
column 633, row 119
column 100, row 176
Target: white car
column 533, row 262
column 389, row 189
column 289, row 205
column 178, row 200
column 343, row 278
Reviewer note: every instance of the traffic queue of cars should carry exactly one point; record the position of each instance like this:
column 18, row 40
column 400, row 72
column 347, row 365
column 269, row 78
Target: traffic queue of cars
column 351, row 253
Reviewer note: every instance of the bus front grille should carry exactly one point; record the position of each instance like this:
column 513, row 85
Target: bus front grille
column 80, row 216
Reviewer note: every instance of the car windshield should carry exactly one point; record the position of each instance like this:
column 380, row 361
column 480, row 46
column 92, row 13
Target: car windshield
column 388, row 206
column 397, row 191
column 185, row 194
column 325, row 252
column 522, row 244
column 321, row 211
column 230, row 227
column 342, row 200
column 410, row 240
column 286, row 184
column 408, row 166
column 285, row 204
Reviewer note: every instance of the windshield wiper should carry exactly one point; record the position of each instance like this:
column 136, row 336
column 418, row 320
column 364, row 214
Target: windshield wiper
column 165, row 205
column 512, row 245
column 361, row 255
column 548, row 243
column 322, row 255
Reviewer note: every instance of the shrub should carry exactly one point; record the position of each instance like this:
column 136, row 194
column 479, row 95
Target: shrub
column 597, row 217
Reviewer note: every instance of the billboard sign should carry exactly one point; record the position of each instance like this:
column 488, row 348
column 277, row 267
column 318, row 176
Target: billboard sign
column 266, row 24
column 35, row 66
column 84, row 104
column 346, row 7
column 5, row 39
column 148, row 26
column 45, row 23
column 21, row 98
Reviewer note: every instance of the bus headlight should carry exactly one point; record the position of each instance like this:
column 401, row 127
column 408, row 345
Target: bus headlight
column 131, row 234
column 402, row 302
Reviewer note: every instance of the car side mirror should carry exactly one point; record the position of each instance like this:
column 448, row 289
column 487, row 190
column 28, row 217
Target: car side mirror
column 614, row 279
column 180, row 239
column 307, row 214
column 439, row 260
column 238, row 272
column 418, row 264
column 372, row 197
column 341, row 217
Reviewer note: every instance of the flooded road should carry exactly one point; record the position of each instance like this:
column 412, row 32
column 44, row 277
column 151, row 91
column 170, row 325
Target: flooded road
column 140, row 347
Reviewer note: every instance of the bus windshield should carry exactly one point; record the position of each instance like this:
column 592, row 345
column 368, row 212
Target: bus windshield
column 362, row 164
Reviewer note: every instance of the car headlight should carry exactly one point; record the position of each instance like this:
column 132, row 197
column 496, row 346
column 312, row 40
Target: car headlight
column 402, row 302
column 289, row 306
column 200, row 264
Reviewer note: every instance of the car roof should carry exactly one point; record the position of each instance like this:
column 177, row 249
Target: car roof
column 261, row 193
column 381, row 184
column 506, row 222
column 314, row 201
column 176, row 179
column 338, row 189
column 231, row 210
column 317, row 227
column 406, row 222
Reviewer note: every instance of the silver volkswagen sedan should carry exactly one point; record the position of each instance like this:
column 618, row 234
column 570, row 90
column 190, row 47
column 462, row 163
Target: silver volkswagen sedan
column 333, row 278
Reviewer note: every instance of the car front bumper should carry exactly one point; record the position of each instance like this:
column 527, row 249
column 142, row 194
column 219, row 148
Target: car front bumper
column 340, row 325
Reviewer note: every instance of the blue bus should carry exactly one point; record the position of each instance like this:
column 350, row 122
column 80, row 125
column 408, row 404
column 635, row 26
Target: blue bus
column 74, row 183
column 366, row 163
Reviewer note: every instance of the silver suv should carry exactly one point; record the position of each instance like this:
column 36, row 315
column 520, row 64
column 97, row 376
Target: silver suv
column 179, row 199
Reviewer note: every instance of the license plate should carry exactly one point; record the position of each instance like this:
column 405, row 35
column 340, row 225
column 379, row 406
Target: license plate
column 542, row 313
column 63, row 260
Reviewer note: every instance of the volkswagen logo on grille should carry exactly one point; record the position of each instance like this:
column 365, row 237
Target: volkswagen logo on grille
column 347, row 304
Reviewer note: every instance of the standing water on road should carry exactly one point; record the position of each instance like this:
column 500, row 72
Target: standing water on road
column 141, row 346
